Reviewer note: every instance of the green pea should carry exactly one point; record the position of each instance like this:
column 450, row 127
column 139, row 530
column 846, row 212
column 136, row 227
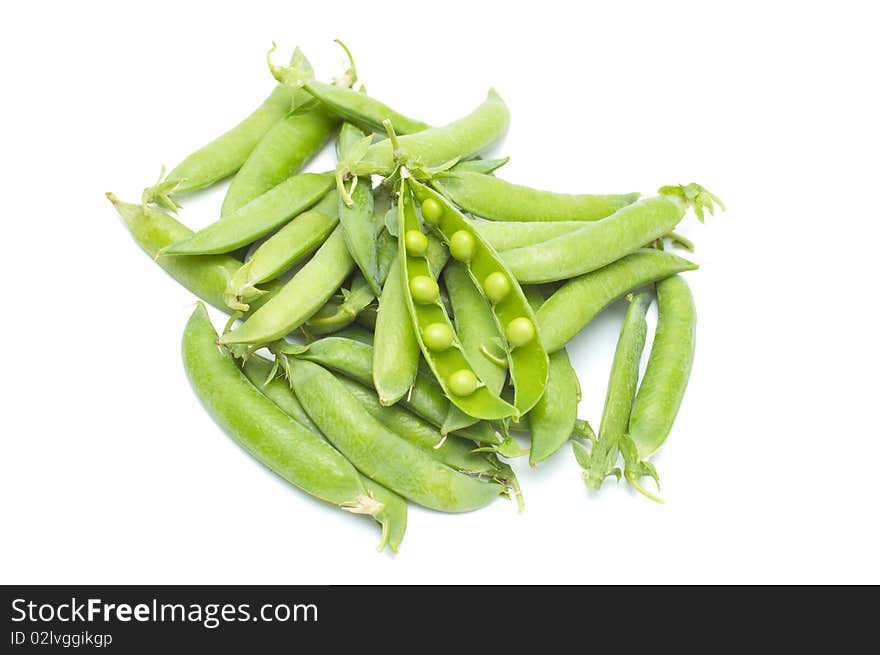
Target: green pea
column 462, row 245
column 424, row 290
column 497, row 286
column 432, row 211
column 438, row 336
column 416, row 243
column 520, row 331
column 463, row 382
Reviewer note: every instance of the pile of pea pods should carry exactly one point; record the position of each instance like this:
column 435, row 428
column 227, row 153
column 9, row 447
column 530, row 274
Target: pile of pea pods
column 398, row 325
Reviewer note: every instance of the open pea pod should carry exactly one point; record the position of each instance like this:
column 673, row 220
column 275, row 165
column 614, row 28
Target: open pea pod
column 527, row 358
column 436, row 336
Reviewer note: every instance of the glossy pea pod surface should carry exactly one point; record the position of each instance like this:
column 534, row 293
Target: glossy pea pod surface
column 268, row 434
column 620, row 393
column 281, row 152
column 597, row 243
column 300, row 238
column 474, row 324
column 380, row 453
column 362, row 110
column 259, row 217
column 669, row 366
column 552, row 419
column 356, row 216
column 498, row 200
column 396, row 350
column 580, row 299
column 205, row 275
column 228, row 152
column 451, row 450
column 425, row 398
column 436, row 146
column 527, row 359
column 444, row 354
column 507, row 236
column 303, row 295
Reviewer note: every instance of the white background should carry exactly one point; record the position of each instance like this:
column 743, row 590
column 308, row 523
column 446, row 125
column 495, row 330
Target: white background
column 111, row 472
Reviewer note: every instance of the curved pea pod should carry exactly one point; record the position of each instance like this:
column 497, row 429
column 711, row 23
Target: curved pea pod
column 205, row 275
column 380, row 453
column 474, row 324
column 669, row 366
column 362, row 110
column 553, row 418
column 281, row 152
column 296, row 240
column 440, row 346
column 452, row 451
column 226, row 154
column 396, row 349
column 622, row 383
column 498, row 200
column 335, row 315
column 261, row 373
column 527, row 360
column 356, row 216
column 303, row 295
column 580, row 299
column 272, row 437
column 607, row 240
column 598, row 243
column 507, row 236
column 354, row 359
column 437, row 146
column 258, row 217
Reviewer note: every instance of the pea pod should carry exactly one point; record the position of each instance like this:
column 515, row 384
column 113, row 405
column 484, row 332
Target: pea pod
column 296, row 240
column 354, row 359
column 474, row 324
column 396, row 351
column 666, row 376
column 619, row 397
column 452, row 451
column 226, row 154
column 336, row 315
column 268, row 434
column 527, row 359
column 261, row 373
column 553, row 418
column 205, row 275
column 300, row 298
column 282, row 152
column 380, row 453
column 440, row 346
column 498, row 200
column 605, row 241
column 356, row 216
column 257, row 218
column 362, row 110
column 580, row 299
column 437, row 146
column 507, row 236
